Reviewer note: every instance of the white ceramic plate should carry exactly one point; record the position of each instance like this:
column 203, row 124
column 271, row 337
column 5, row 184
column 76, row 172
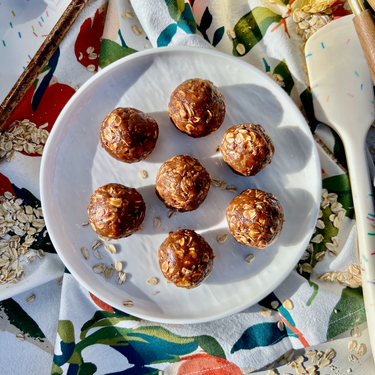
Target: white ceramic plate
column 74, row 165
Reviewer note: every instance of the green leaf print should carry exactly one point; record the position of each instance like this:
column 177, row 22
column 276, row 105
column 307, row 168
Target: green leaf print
column 341, row 186
column 111, row 51
column 175, row 8
column 210, row 345
column 18, row 317
column 350, row 312
column 339, row 150
column 328, row 232
column 251, row 28
column 306, row 100
column 104, row 319
column 284, row 71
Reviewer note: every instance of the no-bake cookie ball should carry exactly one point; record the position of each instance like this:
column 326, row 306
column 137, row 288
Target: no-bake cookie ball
column 247, row 149
column 197, row 107
column 185, row 258
column 182, row 183
column 116, row 211
column 129, row 135
column 255, row 218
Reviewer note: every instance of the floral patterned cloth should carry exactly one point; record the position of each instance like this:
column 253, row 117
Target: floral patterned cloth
column 93, row 337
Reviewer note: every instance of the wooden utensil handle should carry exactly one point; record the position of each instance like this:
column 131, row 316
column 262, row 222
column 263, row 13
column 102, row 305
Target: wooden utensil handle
column 365, row 27
column 40, row 59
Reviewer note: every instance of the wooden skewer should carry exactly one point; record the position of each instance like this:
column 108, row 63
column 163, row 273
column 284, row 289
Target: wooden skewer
column 40, row 60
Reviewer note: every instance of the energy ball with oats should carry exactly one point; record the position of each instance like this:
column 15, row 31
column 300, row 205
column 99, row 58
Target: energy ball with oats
column 255, row 218
column 129, row 135
column 116, row 211
column 247, row 149
column 182, row 183
column 185, row 258
column 197, row 107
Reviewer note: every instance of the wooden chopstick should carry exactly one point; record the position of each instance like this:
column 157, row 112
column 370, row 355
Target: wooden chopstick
column 40, row 59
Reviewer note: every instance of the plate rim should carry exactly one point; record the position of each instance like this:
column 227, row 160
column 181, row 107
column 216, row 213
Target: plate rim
column 113, row 66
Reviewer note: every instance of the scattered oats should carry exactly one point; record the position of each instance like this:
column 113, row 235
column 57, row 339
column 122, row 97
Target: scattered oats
column 99, row 268
column 91, row 68
column 127, row 14
column 121, row 277
column 349, row 370
column 299, row 359
column 128, row 303
column 231, row 34
column 30, row 298
column 108, row 272
column 352, row 357
column 96, row 244
column 103, row 238
column 152, row 281
column 336, row 207
column 143, row 174
column 78, row 87
column 40, row 253
column 215, row 182
column 310, row 370
column 275, row 304
column 333, row 252
column 305, row 255
column 171, row 214
column 287, row 304
column 280, row 325
column 118, row 266
column 157, row 223
column 306, row 267
column 323, row 362
column 136, row 30
column 60, row 280
column 335, row 311
column 85, row 253
column 80, row 56
column 249, row 258
column 320, row 214
column 98, row 254
column 266, row 312
column 289, row 355
column 310, row 353
column 90, row 50
column 320, row 256
column 8, row 195
column 231, row 188
column 310, row 248
column 335, row 241
column 20, row 337
column 351, row 345
column 93, row 56
column 111, row 248
column 240, row 49
column 360, row 349
column 355, row 332
column 271, row 372
column 221, row 238
column 153, row 293
column 317, row 239
column 337, row 222
column 320, row 224
column 223, row 185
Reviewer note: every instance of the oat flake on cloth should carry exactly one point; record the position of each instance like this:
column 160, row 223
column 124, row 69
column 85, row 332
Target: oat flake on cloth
column 93, row 337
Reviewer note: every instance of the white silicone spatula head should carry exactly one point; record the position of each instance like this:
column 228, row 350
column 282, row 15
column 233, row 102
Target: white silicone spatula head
column 343, row 98
column 339, row 77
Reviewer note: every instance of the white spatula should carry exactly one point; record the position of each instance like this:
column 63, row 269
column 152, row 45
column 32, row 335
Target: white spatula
column 343, row 98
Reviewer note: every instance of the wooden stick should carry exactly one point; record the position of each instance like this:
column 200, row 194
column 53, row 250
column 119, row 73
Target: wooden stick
column 365, row 27
column 40, row 60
